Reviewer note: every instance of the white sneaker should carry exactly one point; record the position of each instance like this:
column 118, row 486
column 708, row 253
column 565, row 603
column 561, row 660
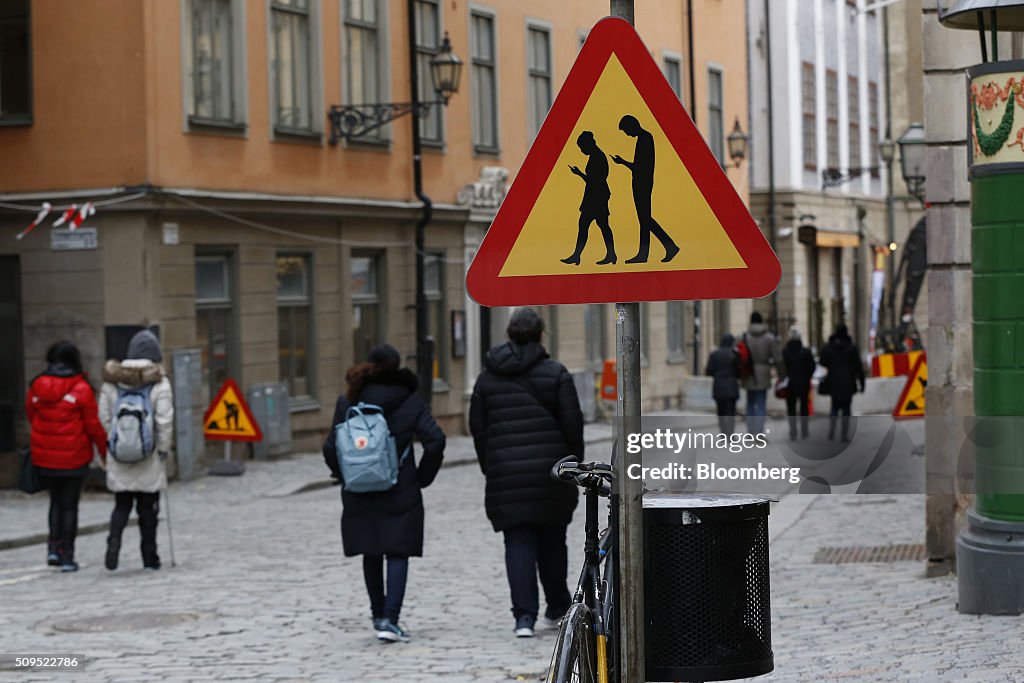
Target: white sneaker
column 524, row 627
column 545, row 624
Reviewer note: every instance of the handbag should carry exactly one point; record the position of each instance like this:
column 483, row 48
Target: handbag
column 782, row 388
column 824, row 387
column 29, row 480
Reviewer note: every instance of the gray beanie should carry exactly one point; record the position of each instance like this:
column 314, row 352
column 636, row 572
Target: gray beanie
column 145, row 345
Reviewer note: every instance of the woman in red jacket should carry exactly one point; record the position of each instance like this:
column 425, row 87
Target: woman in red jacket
column 61, row 410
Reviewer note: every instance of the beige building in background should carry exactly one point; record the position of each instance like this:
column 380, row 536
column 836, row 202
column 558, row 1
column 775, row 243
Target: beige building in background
column 227, row 221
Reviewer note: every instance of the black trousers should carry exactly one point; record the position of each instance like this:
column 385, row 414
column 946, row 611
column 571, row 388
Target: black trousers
column 386, row 605
column 65, row 493
column 147, row 505
column 841, row 406
column 726, row 414
column 796, row 402
column 532, row 550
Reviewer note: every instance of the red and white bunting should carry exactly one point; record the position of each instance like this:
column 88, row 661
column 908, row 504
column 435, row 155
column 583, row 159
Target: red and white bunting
column 83, row 213
column 66, row 216
column 43, row 213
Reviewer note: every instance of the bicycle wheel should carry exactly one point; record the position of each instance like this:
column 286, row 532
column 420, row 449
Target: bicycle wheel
column 574, row 659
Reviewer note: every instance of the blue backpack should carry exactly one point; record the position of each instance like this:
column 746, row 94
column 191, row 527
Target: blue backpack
column 366, row 450
column 130, row 438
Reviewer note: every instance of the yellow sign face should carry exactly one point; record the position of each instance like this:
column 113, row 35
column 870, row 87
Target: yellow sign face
column 228, row 417
column 677, row 205
column 911, row 401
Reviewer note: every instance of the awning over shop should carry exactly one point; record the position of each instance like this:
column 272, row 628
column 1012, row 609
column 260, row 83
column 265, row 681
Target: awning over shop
column 821, row 237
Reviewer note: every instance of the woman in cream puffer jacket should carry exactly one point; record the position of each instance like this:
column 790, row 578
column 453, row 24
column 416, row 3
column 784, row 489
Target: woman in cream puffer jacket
column 139, row 483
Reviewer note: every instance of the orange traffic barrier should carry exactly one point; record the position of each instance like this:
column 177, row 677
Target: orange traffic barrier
column 609, row 382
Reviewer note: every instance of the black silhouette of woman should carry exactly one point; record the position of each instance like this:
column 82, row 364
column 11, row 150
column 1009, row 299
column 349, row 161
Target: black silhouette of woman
column 594, row 207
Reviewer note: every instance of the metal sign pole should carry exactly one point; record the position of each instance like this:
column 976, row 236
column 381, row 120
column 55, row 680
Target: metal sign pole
column 630, row 493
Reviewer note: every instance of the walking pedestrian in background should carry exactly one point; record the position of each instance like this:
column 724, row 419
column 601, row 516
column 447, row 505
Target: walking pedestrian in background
column 387, row 524
column 724, row 367
column 525, row 416
column 61, row 410
column 137, row 406
column 798, row 363
column 764, row 353
column 845, row 377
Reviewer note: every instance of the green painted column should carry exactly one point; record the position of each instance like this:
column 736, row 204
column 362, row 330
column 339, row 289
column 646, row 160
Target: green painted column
column 996, row 151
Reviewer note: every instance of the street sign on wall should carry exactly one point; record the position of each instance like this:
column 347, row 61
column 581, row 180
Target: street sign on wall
column 619, row 198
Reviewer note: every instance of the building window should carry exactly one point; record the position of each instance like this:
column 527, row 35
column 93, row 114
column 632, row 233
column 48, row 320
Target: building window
column 675, row 320
column 15, row 63
column 594, row 331
column 215, row 319
column 538, row 50
column 291, row 66
column 437, row 316
column 549, row 314
column 428, row 40
column 295, row 323
column 485, row 93
column 716, row 128
column 810, row 108
column 674, row 75
column 364, row 57
column 853, row 116
column 832, row 118
column 873, row 127
column 367, row 316
column 212, row 63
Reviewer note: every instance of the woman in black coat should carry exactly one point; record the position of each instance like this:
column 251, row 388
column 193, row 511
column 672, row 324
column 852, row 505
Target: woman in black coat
column 845, row 377
column 799, row 364
column 724, row 368
column 387, row 523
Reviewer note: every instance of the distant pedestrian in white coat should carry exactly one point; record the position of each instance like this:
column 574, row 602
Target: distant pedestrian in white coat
column 136, row 378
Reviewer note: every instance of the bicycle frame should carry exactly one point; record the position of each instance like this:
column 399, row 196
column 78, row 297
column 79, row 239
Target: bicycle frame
column 583, row 651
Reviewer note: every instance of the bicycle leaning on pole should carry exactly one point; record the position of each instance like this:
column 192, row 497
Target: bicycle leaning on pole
column 585, row 650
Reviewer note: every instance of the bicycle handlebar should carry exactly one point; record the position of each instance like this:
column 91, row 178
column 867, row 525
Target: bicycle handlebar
column 588, row 475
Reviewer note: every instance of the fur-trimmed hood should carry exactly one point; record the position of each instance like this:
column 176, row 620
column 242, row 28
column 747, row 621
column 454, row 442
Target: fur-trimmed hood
column 134, row 372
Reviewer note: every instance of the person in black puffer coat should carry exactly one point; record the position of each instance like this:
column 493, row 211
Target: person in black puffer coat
column 845, row 377
column 387, row 523
column 525, row 416
column 799, row 367
column 724, row 368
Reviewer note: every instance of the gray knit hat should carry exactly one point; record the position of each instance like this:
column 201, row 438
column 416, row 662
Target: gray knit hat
column 145, row 346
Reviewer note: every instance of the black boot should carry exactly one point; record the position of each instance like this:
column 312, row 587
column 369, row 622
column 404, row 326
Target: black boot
column 113, row 550
column 53, row 553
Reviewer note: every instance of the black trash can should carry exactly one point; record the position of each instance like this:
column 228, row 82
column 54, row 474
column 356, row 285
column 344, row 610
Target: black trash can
column 706, row 593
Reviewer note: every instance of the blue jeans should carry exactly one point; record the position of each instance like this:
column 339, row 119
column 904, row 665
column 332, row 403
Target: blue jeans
column 533, row 550
column 389, row 605
column 756, row 406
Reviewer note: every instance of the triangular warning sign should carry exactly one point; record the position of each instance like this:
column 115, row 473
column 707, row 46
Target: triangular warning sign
column 619, row 198
column 228, row 417
column 911, row 400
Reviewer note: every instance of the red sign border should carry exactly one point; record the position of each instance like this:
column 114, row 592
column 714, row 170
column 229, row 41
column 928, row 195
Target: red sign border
column 230, row 383
column 759, row 278
column 906, row 390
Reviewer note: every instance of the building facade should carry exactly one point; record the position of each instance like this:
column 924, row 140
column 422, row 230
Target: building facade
column 227, row 221
column 827, row 186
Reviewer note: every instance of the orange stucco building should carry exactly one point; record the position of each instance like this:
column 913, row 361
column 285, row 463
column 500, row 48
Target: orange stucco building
column 227, row 220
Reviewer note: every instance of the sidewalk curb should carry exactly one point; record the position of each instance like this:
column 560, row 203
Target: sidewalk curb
column 40, row 538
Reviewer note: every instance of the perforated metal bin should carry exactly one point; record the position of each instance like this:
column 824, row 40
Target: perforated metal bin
column 706, row 592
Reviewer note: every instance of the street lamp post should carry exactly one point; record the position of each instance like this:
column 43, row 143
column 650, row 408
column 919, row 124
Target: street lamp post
column 353, row 121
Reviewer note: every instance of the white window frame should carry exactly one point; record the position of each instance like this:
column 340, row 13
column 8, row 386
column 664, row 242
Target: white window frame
column 532, row 126
column 667, row 56
column 427, row 86
column 717, row 142
column 381, row 135
column 239, row 85
column 316, row 116
column 478, row 147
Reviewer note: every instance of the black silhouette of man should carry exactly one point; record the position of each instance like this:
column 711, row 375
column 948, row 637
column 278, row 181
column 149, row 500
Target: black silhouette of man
column 642, row 168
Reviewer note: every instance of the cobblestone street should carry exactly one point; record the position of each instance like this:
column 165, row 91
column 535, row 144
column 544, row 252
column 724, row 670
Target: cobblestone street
column 261, row 591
